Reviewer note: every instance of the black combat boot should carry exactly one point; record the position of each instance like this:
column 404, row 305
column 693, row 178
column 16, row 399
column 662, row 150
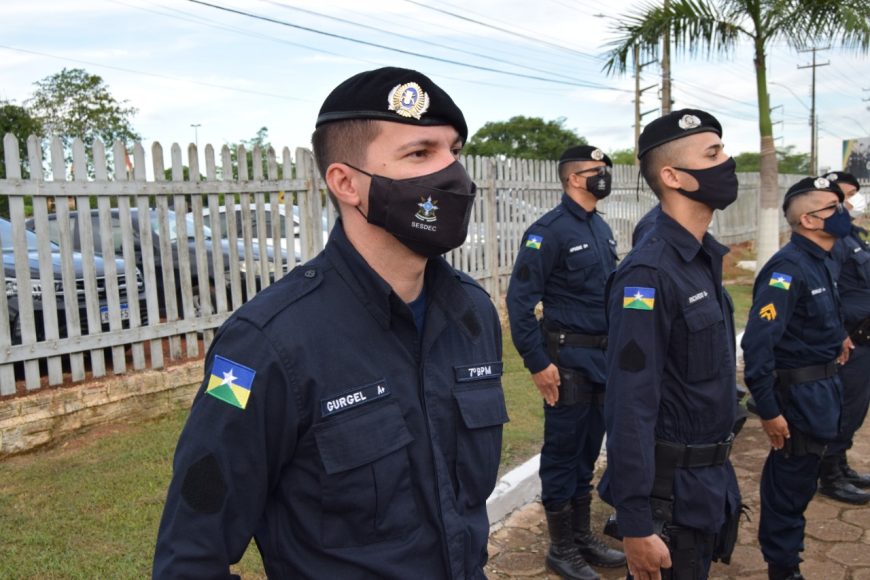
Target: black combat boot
column 776, row 572
column 564, row 557
column 833, row 483
column 859, row 480
column 593, row 548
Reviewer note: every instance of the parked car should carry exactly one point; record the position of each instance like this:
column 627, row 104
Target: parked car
column 13, row 288
column 266, row 226
column 190, row 245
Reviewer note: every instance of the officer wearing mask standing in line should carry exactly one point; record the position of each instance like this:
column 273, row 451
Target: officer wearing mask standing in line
column 564, row 260
column 670, row 405
column 837, row 480
column 792, row 347
column 351, row 415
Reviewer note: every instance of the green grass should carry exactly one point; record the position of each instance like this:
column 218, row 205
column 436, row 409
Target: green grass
column 742, row 296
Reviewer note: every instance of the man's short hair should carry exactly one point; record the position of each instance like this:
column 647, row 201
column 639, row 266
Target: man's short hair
column 343, row 142
column 652, row 162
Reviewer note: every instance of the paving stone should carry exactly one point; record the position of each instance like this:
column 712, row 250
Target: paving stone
column 519, row 565
column 746, row 559
column 850, row 554
column 833, row 531
column 821, row 569
column 493, row 550
column 822, row 508
column 861, row 574
column 860, row 516
column 526, row 518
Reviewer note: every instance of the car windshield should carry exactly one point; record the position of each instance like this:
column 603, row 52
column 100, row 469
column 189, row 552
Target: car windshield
column 267, row 231
column 173, row 232
column 6, row 238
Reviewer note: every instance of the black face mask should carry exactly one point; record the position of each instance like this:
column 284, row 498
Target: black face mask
column 717, row 185
column 429, row 214
column 599, row 184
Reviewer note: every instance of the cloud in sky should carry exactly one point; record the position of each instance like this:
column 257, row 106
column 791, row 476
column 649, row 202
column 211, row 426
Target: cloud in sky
column 233, row 75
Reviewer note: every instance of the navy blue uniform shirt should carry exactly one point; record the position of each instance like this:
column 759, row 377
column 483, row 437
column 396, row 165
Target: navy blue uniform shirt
column 795, row 322
column 363, row 450
column 564, row 260
column 853, row 255
column 670, row 357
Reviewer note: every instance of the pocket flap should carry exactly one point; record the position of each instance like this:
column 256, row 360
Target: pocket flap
column 581, row 258
column 358, row 439
column 482, row 407
column 702, row 316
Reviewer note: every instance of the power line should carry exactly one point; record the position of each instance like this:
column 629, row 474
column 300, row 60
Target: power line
column 156, row 75
column 401, row 51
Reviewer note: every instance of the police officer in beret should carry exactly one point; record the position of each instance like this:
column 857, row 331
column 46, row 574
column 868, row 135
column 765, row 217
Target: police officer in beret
column 670, row 399
column 564, row 260
column 792, row 347
column 350, row 419
column 837, row 480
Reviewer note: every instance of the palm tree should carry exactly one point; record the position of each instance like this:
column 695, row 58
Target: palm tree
column 715, row 26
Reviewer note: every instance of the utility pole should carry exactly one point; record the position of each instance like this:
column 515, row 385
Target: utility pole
column 637, row 95
column 814, row 122
column 196, row 127
column 666, row 67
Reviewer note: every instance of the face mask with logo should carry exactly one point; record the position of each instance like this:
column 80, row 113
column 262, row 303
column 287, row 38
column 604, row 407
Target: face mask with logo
column 859, row 205
column 429, row 214
column 600, row 183
column 717, row 185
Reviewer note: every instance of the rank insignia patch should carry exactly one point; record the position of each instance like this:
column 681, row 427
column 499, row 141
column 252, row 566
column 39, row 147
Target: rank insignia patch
column 534, row 242
column 781, row 281
column 768, row 312
column 638, row 298
column 230, row 382
column 408, row 100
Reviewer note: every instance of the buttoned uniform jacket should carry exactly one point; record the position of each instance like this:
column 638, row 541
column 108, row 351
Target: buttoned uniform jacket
column 852, row 254
column 567, row 272
column 795, row 322
column 364, row 451
column 671, row 378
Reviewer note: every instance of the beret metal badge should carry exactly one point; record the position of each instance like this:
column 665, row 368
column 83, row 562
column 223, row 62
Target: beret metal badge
column 408, row 100
column 597, row 155
column 687, row 122
column 831, row 177
column 821, row 183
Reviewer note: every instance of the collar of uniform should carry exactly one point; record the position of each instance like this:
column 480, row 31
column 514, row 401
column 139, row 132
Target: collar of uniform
column 372, row 290
column 574, row 207
column 686, row 245
column 809, row 246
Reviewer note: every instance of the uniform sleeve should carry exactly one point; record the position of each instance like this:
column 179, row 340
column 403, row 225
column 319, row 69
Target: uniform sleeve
column 228, row 457
column 639, row 331
column 539, row 251
column 774, row 298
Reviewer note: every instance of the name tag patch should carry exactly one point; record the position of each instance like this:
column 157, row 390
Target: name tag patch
column 478, row 372
column 699, row 296
column 816, row 291
column 353, row 398
column 578, row 248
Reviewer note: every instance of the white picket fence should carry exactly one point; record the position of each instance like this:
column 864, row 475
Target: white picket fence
column 99, row 325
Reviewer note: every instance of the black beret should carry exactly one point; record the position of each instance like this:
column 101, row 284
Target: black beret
column 392, row 94
column 843, row 177
column 676, row 125
column 584, row 153
column 808, row 184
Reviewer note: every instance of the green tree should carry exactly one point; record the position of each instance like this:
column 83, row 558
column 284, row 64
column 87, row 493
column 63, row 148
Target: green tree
column 715, row 26
column 622, row 156
column 259, row 141
column 523, row 137
column 16, row 120
column 74, row 103
column 787, row 161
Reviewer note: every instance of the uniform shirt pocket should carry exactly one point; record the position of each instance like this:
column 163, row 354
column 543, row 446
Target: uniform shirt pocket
column 483, row 411
column 706, row 348
column 822, row 312
column 862, row 264
column 577, row 262
column 367, row 495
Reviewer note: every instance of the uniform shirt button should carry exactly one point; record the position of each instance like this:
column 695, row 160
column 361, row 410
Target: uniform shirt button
column 310, row 273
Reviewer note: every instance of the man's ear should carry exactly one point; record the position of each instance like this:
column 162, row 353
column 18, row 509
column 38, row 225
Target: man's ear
column 344, row 182
column 669, row 177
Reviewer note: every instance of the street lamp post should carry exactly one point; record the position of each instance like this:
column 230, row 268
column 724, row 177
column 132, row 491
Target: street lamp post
column 196, row 126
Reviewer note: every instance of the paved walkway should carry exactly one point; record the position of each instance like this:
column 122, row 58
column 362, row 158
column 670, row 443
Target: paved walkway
column 837, row 537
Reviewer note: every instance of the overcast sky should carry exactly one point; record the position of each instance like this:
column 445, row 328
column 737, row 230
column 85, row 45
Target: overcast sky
column 182, row 63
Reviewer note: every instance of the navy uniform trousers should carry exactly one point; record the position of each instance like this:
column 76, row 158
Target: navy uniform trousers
column 794, row 323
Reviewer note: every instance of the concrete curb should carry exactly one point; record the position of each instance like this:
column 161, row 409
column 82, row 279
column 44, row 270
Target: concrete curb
column 517, row 488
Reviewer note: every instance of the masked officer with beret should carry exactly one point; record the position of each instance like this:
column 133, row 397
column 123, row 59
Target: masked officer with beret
column 791, row 347
column 351, row 415
column 564, row 260
column 670, row 404
column 837, row 480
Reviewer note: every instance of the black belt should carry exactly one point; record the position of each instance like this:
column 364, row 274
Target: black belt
column 688, row 456
column 788, row 377
column 565, row 338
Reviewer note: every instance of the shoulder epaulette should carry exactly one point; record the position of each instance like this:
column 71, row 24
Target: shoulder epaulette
column 281, row 295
